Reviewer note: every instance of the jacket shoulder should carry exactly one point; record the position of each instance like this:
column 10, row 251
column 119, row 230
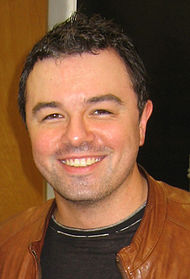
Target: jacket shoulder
column 176, row 194
column 178, row 206
column 24, row 222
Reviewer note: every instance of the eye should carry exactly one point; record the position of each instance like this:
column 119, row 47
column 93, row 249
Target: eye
column 102, row 112
column 52, row 116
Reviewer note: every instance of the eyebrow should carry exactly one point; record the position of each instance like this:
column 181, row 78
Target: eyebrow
column 96, row 99
column 42, row 105
column 107, row 97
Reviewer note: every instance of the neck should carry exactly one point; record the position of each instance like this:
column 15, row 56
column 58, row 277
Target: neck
column 119, row 205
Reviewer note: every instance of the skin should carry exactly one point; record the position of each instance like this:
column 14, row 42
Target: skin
column 84, row 106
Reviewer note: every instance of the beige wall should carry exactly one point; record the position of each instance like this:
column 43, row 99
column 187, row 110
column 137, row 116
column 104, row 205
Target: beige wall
column 21, row 186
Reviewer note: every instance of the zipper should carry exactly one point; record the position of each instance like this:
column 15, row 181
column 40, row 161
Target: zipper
column 120, row 267
column 38, row 266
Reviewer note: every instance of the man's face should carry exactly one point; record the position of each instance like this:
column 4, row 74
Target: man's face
column 84, row 125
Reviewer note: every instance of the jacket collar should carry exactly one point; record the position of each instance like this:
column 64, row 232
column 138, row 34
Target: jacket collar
column 150, row 229
column 37, row 244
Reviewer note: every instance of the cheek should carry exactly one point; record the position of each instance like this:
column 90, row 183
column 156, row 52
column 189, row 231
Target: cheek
column 44, row 142
column 114, row 136
column 123, row 136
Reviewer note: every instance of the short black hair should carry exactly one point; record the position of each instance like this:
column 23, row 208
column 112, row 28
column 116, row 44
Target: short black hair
column 80, row 34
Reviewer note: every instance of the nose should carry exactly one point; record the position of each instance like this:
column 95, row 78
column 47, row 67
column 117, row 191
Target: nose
column 78, row 131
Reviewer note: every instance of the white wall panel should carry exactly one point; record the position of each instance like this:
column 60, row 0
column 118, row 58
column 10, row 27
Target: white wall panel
column 59, row 10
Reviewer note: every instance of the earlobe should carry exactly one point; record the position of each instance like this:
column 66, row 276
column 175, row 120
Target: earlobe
column 144, row 120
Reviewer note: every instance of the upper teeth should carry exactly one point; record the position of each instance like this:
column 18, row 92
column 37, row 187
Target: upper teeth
column 82, row 162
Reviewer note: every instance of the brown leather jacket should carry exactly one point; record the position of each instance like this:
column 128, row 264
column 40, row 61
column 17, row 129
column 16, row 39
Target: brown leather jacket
column 160, row 248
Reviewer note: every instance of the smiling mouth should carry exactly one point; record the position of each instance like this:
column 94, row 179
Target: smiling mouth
column 82, row 162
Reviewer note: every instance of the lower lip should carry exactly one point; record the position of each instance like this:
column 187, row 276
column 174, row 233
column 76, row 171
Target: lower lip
column 80, row 170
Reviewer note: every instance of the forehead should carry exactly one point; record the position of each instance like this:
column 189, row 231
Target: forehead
column 84, row 75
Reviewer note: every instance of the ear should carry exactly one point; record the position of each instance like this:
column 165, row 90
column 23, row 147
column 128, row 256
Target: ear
column 144, row 120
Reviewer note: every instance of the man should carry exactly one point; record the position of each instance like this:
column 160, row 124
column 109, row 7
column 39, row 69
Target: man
column 84, row 101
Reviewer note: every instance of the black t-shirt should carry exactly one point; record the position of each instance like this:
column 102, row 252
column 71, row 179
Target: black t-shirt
column 71, row 253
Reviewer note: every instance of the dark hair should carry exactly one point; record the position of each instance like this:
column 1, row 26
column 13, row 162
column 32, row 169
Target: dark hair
column 80, row 34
